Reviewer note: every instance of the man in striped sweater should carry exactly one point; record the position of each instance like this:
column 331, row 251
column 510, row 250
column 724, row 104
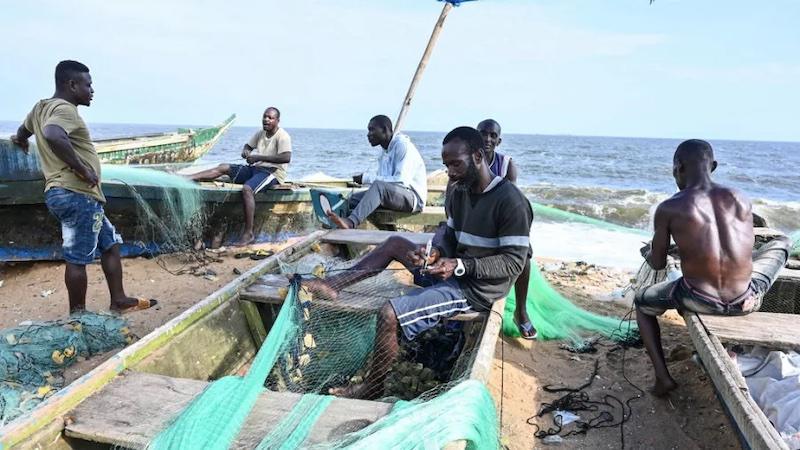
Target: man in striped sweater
column 476, row 257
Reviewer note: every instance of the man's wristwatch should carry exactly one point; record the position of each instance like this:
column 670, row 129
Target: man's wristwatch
column 460, row 269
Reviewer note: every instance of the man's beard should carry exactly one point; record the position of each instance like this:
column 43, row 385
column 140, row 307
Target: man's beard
column 469, row 179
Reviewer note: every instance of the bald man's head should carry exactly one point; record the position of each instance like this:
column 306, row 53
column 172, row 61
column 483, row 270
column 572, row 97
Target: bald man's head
column 692, row 158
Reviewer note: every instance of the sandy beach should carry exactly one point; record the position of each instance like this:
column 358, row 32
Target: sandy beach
column 691, row 418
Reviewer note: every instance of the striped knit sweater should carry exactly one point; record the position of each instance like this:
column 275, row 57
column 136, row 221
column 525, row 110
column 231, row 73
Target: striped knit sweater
column 490, row 232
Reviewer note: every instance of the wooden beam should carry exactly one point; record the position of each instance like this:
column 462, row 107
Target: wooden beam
column 732, row 389
column 426, row 55
column 271, row 289
column 159, row 399
column 254, row 322
column 431, row 215
column 66, row 399
column 773, row 330
column 371, row 237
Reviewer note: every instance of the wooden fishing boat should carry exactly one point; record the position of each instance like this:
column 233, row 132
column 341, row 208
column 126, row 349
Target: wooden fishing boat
column 183, row 145
column 129, row 398
column 31, row 233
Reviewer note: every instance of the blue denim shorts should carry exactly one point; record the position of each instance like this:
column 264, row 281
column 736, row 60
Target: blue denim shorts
column 84, row 225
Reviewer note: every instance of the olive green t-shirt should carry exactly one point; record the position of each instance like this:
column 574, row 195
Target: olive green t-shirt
column 61, row 113
column 280, row 142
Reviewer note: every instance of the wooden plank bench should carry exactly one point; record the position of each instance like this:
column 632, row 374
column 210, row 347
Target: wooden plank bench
column 371, row 237
column 430, row 215
column 271, row 289
column 773, row 330
column 111, row 417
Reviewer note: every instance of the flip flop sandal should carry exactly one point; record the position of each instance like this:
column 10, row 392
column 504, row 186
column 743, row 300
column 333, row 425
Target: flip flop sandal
column 143, row 304
column 324, row 202
column 525, row 329
column 245, row 254
column 261, row 254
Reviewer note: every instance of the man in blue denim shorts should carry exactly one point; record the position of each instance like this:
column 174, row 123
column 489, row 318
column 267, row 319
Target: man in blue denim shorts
column 713, row 228
column 72, row 186
column 267, row 154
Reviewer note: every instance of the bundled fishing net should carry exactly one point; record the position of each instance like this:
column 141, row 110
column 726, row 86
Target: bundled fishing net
column 32, row 357
column 316, row 344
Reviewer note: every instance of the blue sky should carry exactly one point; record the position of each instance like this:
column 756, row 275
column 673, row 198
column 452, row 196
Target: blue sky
column 678, row 69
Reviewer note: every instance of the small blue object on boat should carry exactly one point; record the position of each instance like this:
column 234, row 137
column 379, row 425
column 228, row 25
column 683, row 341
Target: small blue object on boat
column 323, row 201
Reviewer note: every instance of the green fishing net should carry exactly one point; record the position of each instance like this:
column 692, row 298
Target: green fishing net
column 316, row 344
column 33, row 356
column 553, row 315
column 558, row 215
column 795, row 237
column 556, row 317
column 170, row 210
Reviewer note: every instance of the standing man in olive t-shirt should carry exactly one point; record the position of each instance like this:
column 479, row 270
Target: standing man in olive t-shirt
column 72, row 186
column 268, row 154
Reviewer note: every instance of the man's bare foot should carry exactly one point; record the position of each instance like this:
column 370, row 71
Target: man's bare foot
column 246, row 239
column 321, row 289
column 340, row 222
column 362, row 391
column 662, row 389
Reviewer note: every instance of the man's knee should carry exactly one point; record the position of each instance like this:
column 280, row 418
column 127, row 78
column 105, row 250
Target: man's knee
column 379, row 186
column 247, row 190
column 224, row 168
column 387, row 316
column 397, row 245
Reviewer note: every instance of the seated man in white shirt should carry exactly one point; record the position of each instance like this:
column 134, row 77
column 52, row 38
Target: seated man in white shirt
column 400, row 184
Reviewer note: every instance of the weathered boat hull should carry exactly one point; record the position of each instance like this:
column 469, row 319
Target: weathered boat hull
column 185, row 145
column 31, row 233
column 216, row 337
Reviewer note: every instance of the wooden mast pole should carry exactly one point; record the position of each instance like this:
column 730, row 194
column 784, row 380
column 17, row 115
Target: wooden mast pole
column 421, row 67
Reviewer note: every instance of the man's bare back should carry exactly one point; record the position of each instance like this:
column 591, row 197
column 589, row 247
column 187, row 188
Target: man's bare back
column 713, row 228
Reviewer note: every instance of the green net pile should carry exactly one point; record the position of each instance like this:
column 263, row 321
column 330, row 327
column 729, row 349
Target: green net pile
column 33, row 357
column 553, row 315
column 556, row 317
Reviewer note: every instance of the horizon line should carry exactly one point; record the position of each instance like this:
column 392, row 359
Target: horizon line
column 444, row 132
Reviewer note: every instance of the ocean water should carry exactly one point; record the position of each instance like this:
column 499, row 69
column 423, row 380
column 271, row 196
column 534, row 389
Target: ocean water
column 616, row 179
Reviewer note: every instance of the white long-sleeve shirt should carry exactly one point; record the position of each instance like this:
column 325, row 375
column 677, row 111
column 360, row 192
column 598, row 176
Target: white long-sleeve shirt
column 401, row 163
